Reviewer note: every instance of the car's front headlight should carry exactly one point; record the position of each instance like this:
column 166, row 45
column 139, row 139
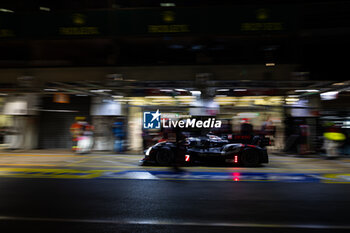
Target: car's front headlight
column 148, row 151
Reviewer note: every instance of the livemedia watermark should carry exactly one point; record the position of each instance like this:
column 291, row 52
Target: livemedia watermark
column 152, row 120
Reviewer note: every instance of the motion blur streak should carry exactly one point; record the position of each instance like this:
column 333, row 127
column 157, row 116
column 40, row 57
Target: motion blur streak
column 179, row 223
column 174, row 116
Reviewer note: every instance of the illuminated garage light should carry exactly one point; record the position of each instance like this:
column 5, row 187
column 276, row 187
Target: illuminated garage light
column 196, row 93
column 167, row 4
column 50, row 89
column 270, row 64
column 223, row 90
column 240, row 90
column 235, row 160
column 292, row 99
column 180, row 90
column 100, row 90
column 330, row 95
column 338, row 84
column 42, row 8
column 6, row 10
column 308, row 90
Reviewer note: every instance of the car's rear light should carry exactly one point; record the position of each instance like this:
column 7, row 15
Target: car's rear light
column 187, row 158
column 235, row 160
column 236, row 176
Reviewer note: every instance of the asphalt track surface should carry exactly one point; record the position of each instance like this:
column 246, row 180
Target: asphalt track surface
column 44, row 192
column 115, row 205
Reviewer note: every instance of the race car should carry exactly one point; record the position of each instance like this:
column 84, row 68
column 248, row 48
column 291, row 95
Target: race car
column 209, row 149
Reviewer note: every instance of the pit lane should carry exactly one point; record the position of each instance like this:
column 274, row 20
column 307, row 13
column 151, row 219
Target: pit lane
column 65, row 165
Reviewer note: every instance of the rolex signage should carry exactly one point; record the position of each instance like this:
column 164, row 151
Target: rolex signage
column 200, row 20
column 80, row 26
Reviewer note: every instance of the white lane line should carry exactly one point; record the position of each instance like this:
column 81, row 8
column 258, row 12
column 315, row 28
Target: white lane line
column 176, row 223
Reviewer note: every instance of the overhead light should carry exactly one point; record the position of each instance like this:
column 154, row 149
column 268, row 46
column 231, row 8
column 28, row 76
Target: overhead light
column 167, row 4
column 166, row 90
column 220, row 95
column 338, row 84
column 223, row 90
column 6, row 10
column 117, row 96
column 240, row 90
column 180, row 90
column 330, row 95
column 50, row 89
column 100, row 90
column 3, row 94
column 292, row 99
column 42, row 8
column 307, row 90
column 196, row 93
column 270, row 64
column 293, row 96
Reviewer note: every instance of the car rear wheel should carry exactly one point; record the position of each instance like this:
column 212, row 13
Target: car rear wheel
column 250, row 157
column 164, row 157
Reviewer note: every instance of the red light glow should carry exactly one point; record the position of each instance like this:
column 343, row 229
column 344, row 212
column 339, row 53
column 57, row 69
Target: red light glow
column 187, row 158
column 236, row 176
column 235, row 159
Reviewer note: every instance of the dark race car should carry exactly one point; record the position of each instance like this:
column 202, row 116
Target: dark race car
column 209, row 149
